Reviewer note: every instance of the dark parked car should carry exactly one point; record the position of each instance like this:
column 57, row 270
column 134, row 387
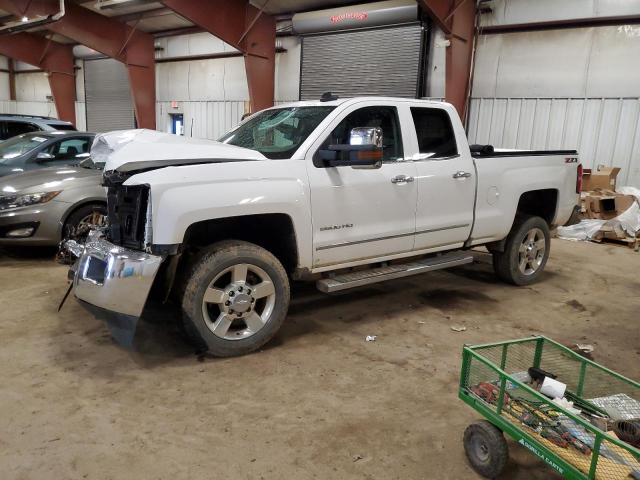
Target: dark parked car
column 12, row 125
column 31, row 151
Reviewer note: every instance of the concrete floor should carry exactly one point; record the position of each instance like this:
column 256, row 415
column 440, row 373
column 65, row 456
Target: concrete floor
column 319, row 402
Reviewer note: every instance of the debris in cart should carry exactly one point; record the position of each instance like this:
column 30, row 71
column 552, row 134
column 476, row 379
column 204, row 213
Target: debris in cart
column 571, row 427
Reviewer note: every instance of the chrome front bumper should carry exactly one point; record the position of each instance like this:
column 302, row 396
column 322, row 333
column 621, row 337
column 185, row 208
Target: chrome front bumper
column 112, row 277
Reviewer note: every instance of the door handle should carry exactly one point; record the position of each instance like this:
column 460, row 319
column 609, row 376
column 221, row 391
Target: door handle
column 461, row 174
column 401, row 179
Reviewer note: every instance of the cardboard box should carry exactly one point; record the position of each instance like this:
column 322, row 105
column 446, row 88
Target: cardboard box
column 605, row 206
column 603, row 178
column 624, row 202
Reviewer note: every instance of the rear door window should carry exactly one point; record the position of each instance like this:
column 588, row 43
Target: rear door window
column 64, row 126
column 18, row 128
column 435, row 132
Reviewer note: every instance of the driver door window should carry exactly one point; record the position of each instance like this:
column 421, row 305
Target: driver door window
column 385, row 118
column 69, row 149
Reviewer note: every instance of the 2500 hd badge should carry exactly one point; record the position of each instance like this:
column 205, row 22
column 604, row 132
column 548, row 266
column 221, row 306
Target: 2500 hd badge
column 336, row 227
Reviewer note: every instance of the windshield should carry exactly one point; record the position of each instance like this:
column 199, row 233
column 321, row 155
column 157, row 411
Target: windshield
column 20, row 145
column 277, row 133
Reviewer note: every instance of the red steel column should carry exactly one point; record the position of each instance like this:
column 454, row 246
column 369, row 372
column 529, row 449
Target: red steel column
column 108, row 36
column 244, row 27
column 54, row 58
column 260, row 59
column 460, row 57
column 12, row 79
column 457, row 20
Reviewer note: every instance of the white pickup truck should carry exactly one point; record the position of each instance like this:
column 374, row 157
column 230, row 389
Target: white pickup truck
column 343, row 192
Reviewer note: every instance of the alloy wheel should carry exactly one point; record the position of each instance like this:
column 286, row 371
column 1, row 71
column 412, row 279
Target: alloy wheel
column 531, row 251
column 239, row 302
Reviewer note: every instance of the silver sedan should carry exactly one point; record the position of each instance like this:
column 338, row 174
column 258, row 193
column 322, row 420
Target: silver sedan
column 43, row 207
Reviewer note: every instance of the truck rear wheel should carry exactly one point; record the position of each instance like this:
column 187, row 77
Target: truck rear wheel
column 525, row 253
column 236, row 298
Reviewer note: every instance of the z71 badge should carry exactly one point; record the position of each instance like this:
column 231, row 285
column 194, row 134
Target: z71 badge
column 336, row 227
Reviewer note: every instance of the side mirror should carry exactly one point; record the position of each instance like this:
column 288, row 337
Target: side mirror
column 44, row 156
column 364, row 150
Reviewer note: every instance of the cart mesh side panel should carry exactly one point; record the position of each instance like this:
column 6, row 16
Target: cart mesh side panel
column 493, row 375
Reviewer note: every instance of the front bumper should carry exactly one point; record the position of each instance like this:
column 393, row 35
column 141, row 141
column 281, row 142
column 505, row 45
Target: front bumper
column 114, row 278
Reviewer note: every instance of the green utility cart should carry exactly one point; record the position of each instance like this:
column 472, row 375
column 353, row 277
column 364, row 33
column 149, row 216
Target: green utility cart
column 496, row 380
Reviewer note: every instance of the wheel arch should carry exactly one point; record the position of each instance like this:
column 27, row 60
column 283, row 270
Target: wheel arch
column 541, row 203
column 275, row 232
column 75, row 207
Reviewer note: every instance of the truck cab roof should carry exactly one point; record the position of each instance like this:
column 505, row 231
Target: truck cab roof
column 352, row 100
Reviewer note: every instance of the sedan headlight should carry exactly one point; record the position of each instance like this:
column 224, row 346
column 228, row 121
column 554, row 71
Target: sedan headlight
column 15, row 201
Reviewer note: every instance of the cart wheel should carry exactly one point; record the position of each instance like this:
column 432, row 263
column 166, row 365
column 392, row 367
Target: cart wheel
column 486, row 448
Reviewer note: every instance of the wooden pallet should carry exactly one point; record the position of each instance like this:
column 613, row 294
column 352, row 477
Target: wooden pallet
column 629, row 242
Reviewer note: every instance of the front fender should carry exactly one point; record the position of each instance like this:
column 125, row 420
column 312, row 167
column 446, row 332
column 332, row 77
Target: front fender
column 183, row 196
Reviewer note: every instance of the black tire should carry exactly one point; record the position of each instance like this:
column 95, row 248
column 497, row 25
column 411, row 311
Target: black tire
column 72, row 222
column 507, row 264
column 486, row 448
column 212, row 263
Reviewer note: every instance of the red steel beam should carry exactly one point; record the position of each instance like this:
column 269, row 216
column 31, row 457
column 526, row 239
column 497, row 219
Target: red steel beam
column 54, row 58
column 457, row 19
column 108, row 36
column 244, row 27
column 459, row 60
column 12, row 79
column 438, row 11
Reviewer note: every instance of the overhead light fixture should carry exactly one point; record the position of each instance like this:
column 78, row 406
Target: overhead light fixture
column 119, row 4
column 26, row 24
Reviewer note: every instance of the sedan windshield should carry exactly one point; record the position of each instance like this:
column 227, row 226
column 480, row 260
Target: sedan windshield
column 277, row 133
column 16, row 146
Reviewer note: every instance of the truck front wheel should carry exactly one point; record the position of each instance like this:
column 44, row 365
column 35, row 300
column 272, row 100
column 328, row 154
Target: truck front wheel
column 236, row 298
column 525, row 252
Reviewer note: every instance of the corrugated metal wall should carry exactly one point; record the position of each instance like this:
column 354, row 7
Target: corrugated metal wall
column 605, row 131
column 201, row 119
column 569, row 88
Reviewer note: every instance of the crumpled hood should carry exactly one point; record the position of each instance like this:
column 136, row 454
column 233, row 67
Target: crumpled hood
column 128, row 150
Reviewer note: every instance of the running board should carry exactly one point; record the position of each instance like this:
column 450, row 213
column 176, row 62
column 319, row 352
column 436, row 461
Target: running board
column 380, row 274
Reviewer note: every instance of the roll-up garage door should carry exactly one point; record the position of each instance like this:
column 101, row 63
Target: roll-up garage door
column 107, row 94
column 382, row 61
